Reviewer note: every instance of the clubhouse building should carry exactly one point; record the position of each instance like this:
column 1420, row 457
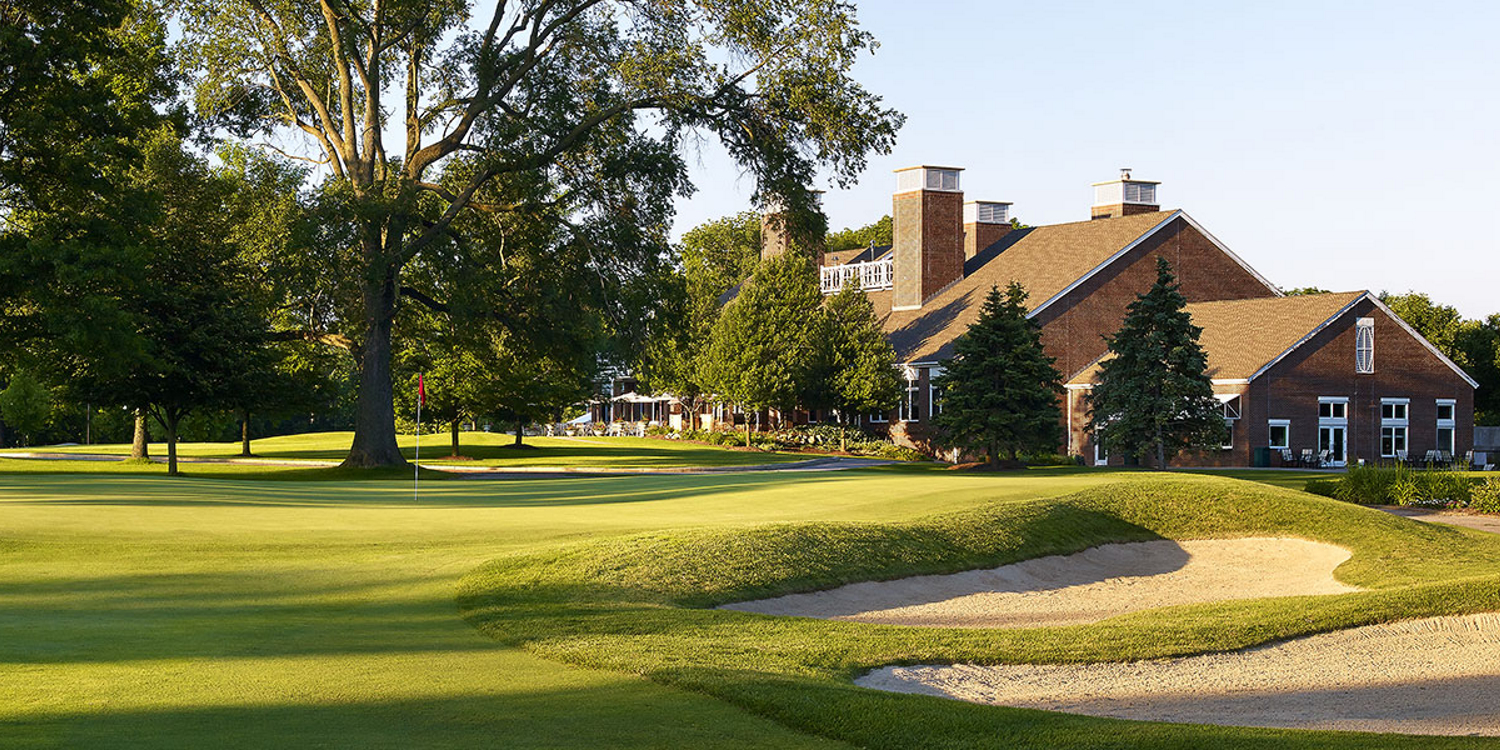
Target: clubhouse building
column 1335, row 378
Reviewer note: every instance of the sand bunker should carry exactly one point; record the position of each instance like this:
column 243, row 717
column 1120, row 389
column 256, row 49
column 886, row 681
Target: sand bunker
column 1434, row 676
column 1068, row 589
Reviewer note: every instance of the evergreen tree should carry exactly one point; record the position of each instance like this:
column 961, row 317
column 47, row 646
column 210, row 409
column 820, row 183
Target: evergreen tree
column 764, row 351
column 861, row 373
column 999, row 390
column 1154, row 393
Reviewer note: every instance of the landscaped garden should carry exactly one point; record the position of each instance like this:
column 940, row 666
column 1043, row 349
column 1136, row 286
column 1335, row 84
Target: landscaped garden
column 148, row 611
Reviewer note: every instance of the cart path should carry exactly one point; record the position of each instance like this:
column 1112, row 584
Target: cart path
column 1452, row 518
column 822, row 463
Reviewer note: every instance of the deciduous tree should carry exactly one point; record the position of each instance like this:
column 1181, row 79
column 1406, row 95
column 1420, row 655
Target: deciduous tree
column 560, row 88
column 861, row 376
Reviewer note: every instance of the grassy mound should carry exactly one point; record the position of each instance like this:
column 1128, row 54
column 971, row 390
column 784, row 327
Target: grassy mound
column 639, row 604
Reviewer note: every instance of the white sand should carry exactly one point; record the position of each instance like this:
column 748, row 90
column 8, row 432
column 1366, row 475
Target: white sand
column 1067, row 589
column 1435, row 676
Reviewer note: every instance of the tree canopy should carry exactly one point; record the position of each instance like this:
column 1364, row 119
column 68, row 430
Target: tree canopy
column 416, row 109
column 861, row 375
column 1153, row 394
column 765, row 351
column 999, row 390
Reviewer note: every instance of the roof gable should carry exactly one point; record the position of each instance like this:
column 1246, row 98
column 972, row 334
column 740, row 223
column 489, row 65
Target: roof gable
column 1048, row 260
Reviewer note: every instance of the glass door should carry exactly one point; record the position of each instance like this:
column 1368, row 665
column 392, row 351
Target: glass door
column 1331, row 441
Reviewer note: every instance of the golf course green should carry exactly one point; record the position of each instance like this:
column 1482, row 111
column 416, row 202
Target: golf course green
column 138, row 610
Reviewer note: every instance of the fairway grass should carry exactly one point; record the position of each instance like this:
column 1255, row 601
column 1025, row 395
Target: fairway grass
column 641, row 605
column 143, row 611
column 479, row 449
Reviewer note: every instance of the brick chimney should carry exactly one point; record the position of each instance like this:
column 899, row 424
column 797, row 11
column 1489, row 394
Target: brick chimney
column 927, row 213
column 985, row 222
column 1124, row 197
column 775, row 236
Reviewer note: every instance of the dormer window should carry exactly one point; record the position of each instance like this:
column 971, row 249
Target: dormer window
column 1364, row 346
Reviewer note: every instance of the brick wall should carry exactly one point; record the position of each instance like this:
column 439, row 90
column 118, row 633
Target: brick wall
column 1073, row 327
column 979, row 236
column 1121, row 209
column 1404, row 368
column 929, row 253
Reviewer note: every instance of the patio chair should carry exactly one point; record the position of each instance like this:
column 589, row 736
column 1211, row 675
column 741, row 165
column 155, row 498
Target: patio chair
column 1324, row 459
column 1288, row 458
column 1309, row 460
column 1444, row 459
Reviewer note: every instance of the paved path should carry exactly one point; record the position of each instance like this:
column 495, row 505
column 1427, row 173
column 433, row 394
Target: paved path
column 822, row 463
column 1467, row 520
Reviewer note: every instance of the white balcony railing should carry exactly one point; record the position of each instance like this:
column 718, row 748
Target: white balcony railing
column 875, row 274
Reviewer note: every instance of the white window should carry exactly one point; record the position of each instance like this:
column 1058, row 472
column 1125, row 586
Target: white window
column 1333, row 408
column 1393, row 426
column 910, row 410
column 1364, row 345
column 1229, row 434
column 1281, row 434
column 1447, row 424
column 878, row 418
column 934, row 392
column 1393, row 409
column 1446, row 408
column 1393, row 442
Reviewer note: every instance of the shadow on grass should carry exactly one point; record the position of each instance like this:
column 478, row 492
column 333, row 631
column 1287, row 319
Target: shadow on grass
column 619, row 713
column 33, row 488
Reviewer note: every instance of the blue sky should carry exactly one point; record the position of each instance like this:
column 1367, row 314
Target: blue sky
column 1347, row 145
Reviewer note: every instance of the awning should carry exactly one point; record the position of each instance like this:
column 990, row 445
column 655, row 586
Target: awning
column 1230, row 403
column 635, row 398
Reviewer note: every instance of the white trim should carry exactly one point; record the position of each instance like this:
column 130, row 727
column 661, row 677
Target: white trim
column 1393, row 316
column 1272, row 424
column 1179, row 213
column 1310, row 334
column 904, row 308
column 1230, row 381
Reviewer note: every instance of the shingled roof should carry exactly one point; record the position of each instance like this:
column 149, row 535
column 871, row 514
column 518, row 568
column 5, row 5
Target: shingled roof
column 1242, row 336
column 1046, row 260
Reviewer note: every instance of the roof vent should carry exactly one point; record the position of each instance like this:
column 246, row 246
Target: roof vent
column 939, row 179
column 986, row 212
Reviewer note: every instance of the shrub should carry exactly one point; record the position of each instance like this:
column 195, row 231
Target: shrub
column 1484, row 495
column 1405, row 492
column 1324, row 487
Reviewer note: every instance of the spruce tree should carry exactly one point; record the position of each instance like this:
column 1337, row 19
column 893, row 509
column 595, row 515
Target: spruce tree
column 999, row 391
column 764, row 351
column 1153, row 392
column 862, row 373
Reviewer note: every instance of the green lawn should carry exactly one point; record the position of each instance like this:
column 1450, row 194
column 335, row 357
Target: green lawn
column 150, row 612
column 482, row 448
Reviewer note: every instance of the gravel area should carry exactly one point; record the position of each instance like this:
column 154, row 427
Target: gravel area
column 1092, row 585
column 1433, row 676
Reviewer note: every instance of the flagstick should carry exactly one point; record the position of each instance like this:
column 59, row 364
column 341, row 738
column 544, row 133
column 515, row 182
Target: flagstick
column 416, row 468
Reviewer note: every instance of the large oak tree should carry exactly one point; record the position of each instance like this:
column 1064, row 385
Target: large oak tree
column 387, row 92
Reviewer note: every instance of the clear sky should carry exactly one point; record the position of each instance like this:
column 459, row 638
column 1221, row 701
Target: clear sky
column 1346, row 145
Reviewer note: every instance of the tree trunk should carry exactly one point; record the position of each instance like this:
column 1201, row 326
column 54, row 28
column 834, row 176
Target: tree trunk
column 992, row 456
column 245, row 433
column 519, row 424
column 375, row 414
column 139, row 444
column 453, row 430
column 747, row 430
column 171, row 425
column 1161, row 451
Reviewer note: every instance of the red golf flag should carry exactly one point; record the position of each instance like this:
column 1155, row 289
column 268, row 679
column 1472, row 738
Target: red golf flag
column 421, row 391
